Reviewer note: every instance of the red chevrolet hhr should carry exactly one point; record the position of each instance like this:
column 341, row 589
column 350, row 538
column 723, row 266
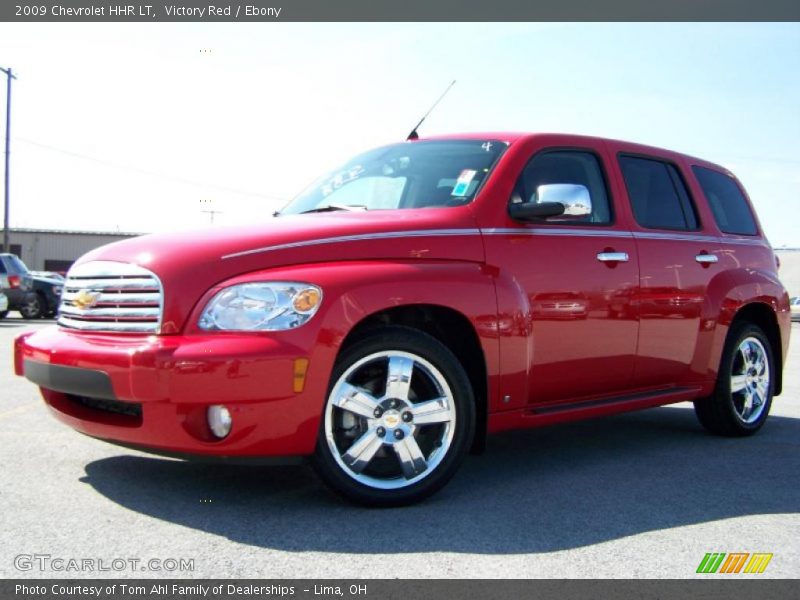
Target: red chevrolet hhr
column 421, row 296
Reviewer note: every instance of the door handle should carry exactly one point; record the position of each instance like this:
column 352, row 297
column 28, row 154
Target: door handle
column 613, row 257
column 707, row 259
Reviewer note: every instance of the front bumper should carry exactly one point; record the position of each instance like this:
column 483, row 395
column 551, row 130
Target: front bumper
column 153, row 392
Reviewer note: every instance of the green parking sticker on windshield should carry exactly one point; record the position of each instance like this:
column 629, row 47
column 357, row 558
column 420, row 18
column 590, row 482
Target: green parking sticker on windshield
column 463, row 181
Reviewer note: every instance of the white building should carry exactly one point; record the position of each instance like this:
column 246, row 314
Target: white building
column 56, row 250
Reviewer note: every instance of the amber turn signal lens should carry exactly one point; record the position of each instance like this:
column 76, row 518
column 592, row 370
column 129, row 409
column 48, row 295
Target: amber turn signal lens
column 306, row 300
column 300, row 368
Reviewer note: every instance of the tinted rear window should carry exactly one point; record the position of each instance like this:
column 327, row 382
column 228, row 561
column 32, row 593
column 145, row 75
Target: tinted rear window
column 658, row 195
column 727, row 202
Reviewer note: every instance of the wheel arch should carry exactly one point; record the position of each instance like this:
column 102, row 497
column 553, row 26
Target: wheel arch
column 763, row 315
column 455, row 331
column 752, row 295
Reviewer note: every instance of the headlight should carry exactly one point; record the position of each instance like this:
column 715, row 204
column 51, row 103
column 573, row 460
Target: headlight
column 272, row 306
column 57, row 290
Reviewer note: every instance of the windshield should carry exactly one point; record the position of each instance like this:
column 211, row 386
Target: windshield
column 407, row 175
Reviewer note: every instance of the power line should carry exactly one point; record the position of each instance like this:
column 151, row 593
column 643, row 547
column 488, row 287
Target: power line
column 136, row 169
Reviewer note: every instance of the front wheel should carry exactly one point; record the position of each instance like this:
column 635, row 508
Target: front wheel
column 33, row 308
column 398, row 420
column 745, row 384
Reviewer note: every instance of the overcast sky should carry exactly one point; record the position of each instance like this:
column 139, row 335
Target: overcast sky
column 141, row 127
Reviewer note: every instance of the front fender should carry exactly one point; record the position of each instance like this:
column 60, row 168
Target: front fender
column 355, row 290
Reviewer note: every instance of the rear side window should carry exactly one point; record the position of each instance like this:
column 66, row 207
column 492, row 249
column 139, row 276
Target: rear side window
column 658, row 195
column 18, row 265
column 730, row 208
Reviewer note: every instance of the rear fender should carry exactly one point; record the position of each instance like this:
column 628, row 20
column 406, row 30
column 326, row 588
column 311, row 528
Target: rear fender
column 729, row 293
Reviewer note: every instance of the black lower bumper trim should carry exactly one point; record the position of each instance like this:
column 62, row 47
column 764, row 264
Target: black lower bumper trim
column 70, row 380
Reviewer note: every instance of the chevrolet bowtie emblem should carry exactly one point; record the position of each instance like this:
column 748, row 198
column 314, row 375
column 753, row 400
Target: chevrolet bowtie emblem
column 86, row 299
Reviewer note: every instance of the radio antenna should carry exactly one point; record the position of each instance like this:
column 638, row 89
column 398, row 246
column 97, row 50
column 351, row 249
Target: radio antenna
column 414, row 135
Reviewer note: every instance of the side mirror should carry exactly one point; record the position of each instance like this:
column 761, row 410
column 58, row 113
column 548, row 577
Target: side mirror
column 553, row 200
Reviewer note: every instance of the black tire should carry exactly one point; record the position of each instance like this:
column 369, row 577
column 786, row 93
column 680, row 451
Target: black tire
column 723, row 413
column 3, row 314
column 365, row 365
column 34, row 307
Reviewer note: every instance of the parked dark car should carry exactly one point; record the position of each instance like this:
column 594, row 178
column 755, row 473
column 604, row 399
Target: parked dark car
column 32, row 293
column 48, row 296
column 20, row 292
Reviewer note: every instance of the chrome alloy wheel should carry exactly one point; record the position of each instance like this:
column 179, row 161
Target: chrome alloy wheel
column 750, row 373
column 390, row 419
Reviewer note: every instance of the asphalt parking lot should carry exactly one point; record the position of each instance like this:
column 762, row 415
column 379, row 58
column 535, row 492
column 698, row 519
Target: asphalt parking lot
column 645, row 494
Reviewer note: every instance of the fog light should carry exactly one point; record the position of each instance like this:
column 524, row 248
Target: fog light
column 219, row 420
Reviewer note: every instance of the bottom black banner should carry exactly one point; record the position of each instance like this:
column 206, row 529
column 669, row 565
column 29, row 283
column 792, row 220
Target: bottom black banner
column 416, row 589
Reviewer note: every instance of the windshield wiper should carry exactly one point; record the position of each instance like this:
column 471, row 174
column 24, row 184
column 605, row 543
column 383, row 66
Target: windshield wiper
column 333, row 207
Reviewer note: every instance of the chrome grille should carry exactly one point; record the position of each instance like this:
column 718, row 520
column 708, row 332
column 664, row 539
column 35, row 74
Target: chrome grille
column 111, row 296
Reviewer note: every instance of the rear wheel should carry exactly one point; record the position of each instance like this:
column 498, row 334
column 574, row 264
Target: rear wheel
column 745, row 384
column 398, row 420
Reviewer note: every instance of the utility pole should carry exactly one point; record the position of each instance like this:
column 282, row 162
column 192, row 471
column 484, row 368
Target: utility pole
column 210, row 212
column 9, row 77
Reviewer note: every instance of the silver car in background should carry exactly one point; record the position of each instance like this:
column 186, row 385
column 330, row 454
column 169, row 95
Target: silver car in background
column 794, row 304
column 3, row 297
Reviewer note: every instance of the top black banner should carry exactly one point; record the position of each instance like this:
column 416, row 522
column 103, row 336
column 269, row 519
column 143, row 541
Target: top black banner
column 407, row 10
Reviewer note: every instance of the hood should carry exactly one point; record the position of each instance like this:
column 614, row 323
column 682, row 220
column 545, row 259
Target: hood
column 48, row 280
column 190, row 263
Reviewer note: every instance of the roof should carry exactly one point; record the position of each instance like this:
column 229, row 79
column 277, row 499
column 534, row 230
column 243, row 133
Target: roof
column 507, row 136
column 514, row 136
